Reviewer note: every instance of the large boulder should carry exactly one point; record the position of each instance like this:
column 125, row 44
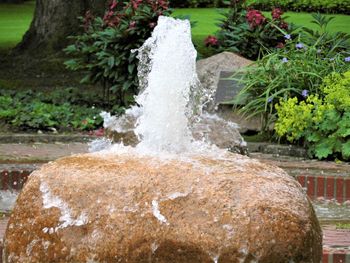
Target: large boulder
column 132, row 208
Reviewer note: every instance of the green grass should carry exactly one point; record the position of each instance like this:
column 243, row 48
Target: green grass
column 207, row 18
column 14, row 22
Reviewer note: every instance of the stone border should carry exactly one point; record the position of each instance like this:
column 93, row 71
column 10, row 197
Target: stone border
column 45, row 138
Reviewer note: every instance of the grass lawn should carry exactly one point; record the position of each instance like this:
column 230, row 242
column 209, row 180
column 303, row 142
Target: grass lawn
column 207, row 18
column 14, row 22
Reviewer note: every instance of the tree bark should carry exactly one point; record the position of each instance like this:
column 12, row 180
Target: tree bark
column 54, row 21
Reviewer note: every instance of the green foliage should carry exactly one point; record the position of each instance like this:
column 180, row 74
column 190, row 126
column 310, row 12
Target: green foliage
column 297, row 70
column 104, row 49
column 322, row 121
column 325, row 6
column 33, row 111
column 196, row 3
column 248, row 32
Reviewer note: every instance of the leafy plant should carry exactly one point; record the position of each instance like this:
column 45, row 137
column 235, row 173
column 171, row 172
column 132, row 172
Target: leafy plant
column 321, row 122
column 248, row 32
column 104, row 49
column 33, row 111
column 324, row 6
column 297, row 70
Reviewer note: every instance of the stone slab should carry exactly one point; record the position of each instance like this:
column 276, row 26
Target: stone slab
column 228, row 87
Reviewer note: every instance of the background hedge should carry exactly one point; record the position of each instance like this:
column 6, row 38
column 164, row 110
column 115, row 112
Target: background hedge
column 323, row 6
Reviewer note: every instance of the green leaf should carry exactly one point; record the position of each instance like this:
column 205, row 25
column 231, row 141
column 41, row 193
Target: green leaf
column 70, row 49
column 346, row 150
column 313, row 137
column 111, row 61
column 86, row 79
column 72, row 64
column 324, row 149
column 131, row 68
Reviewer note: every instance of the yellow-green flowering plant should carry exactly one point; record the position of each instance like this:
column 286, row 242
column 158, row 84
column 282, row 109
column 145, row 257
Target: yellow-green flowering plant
column 320, row 122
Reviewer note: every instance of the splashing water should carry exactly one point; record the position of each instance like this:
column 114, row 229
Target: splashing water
column 170, row 101
column 165, row 102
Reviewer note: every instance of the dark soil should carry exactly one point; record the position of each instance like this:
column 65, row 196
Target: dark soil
column 23, row 72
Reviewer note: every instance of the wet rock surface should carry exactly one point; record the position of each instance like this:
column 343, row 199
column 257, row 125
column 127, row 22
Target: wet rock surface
column 124, row 208
column 210, row 128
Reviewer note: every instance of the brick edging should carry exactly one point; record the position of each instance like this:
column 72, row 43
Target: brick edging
column 327, row 187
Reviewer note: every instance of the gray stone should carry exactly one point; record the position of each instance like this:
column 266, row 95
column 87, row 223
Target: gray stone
column 208, row 70
column 209, row 127
column 224, row 134
column 228, row 87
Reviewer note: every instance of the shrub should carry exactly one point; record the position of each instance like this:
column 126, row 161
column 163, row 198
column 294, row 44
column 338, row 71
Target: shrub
column 296, row 70
column 104, row 49
column 321, row 122
column 248, row 31
column 196, row 3
column 324, row 6
column 32, row 111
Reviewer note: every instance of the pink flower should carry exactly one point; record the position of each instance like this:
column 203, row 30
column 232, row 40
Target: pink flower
column 113, row 4
column 280, row 45
column 88, row 20
column 152, row 25
column 136, row 3
column 132, row 24
column 211, row 41
column 255, row 18
column 277, row 13
column 283, row 25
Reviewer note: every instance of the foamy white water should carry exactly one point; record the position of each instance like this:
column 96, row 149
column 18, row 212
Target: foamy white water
column 165, row 102
column 170, row 100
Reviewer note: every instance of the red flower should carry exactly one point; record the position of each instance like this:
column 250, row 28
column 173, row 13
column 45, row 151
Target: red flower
column 211, row 41
column 136, row 3
column 255, row 18
column 163, row 4
column 283, row 25
column 113, row 4
column 132, row 24
column 280, row 45
column 87, row 20
column 277, row 13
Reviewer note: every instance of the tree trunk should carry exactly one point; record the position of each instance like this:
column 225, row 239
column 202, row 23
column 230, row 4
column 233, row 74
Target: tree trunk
column 54, row 21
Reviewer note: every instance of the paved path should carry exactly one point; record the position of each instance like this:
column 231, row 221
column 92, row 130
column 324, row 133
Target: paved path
column 38, row 152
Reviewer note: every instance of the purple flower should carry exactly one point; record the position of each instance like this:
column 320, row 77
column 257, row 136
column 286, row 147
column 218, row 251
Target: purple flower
column 288, row 37
column 331, row 59
column 305, row 93
column 284, row 60
column 269, row 99
column 299, row 45
column 347, row 59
